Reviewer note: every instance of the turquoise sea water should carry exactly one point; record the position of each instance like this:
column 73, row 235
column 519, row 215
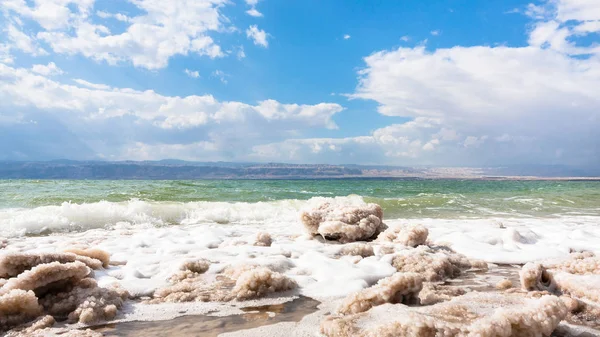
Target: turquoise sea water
column 399, row 198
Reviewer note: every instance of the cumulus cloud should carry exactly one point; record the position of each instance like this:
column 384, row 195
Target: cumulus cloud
column 479, row 105
column 258, row 36
column 160, row 31
column 46, row 70
column 154, row 124
column 346, row 37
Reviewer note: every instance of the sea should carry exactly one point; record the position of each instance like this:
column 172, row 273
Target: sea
column 35, row 207
column 152, row 228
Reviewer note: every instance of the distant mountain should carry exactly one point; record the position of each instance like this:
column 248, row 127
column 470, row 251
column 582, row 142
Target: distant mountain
column 178, row 169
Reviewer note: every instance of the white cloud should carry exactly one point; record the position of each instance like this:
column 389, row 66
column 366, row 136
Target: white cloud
column 113, row 121
column 240, row 53
column 163, row 30
column 258, row 36
column 478, row 105
column 435, row 32
column 21, row 41
column 405, row 38
column 192, row 74
column 222, row 76
column 91, row 85
column 117, row 16
column 254, row 12
column 346, row 37
column 47, row 70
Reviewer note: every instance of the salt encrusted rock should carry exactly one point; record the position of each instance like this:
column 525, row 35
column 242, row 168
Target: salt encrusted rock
column 411, row 236
column 473, row 314
column 259, row 282
column 263, row 239
column 241, row 282
column 357, row 249
column 45, row 277
column 434, row 266
column 16, row 307
column 345, row 223
column 13, row 264
column 398, row 288
column 86, row 302
column 54, row 284
column 504, row 284
column 435, row 293
column 93, row 253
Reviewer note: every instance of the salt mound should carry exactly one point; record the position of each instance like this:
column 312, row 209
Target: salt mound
column 93, row 253
column 259, row 282
column 18, row 306
column 473, row 314
column 536, row 277
column 60, row 289
column 14, row 264
column 357, row 249
column 86, row 302
column 345, row 223
column 191, row 269
column 435, row 293
column 411, row 236
column 398, row 288
column 434, row 266
column 240, row 282
column 263, row 239
column 46, row 277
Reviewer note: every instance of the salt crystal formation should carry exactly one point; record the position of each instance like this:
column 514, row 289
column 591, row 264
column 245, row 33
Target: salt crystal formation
column 434, row 265
column 55, row 284
column 357, row 249
column 411, row 236
column 345, row 223
column 578, row 276
column 398, row 288
column 263, row 239
column 240, row 282
column 473, row 314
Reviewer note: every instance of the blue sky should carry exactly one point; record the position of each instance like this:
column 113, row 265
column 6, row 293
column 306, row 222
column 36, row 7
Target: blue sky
column 374, row 82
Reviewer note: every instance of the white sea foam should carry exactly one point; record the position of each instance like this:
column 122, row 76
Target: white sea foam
column 71, row 216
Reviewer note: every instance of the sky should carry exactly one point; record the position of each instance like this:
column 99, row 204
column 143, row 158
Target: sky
column 411, row 82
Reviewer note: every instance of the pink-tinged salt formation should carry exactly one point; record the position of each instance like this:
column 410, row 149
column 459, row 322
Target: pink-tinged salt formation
column 16, row 307
column 263, row 239
column 85, row 302
column 259, row 282
column 357, row 249
column 411, row 236
column 47, row 277
column 62, row 290
column 240, row 282
column 93, row 253
column 434, row 265
column 504, row 284
column 13, row 264
column 473, row 314
column 398, row 288
column 433, row 293
column 345, row 223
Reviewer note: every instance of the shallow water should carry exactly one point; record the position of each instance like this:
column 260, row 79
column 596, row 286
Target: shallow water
column 212, row 326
